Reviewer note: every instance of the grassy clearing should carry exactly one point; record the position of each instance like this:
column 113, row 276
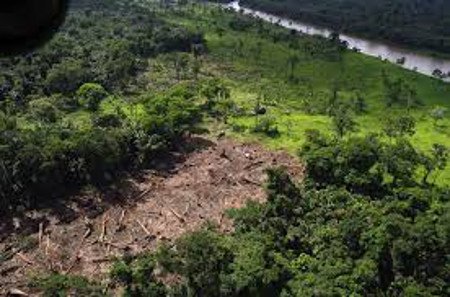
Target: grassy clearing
column 257, row 69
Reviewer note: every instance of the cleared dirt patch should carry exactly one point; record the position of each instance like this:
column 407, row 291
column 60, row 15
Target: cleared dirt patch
column 91, row 230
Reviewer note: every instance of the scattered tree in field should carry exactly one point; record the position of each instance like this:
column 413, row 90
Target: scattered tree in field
column 437, row 161
column 343, row 122
column 399, row 126
column 335, row 37
column 259, row 109
column 398, row 91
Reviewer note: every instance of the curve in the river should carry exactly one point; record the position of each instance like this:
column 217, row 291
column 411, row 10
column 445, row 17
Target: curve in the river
column 412, row 60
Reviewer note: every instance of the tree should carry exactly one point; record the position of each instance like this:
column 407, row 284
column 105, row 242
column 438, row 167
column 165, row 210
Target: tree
column 204, row 258
column 437, row 161
column 343, row 122
column 397, row 91
column 90, row 95
column 400, row 162
column 44, row 110
column 399, row 126
column 66, row 76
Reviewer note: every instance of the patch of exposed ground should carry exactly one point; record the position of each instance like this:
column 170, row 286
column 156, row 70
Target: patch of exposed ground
column 85, row 235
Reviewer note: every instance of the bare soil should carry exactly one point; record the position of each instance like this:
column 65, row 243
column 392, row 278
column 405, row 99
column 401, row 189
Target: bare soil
column 89, row 231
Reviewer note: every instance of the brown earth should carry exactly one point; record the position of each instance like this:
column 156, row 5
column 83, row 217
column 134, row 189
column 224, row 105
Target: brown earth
column 89, row 231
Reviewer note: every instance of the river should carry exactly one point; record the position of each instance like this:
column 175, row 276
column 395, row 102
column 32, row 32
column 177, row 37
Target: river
column 412, row 60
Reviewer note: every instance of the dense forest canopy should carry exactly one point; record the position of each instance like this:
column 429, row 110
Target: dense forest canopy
column 423, row 24
column 65, row 118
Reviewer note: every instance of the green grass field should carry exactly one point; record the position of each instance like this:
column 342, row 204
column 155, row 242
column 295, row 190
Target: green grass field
column 254, row 66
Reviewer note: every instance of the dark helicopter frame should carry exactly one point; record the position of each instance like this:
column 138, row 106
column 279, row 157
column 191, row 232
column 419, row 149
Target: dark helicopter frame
column 27, row 24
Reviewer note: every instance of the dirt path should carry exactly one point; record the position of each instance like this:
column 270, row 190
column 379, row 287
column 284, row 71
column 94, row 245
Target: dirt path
column 158, row 206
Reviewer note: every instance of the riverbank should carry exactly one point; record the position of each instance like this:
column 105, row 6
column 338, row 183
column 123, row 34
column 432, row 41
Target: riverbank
column 408, row 59
column 254, row 58
column 410, row 26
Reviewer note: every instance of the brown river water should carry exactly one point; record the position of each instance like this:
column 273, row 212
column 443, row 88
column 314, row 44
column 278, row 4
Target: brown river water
column 412, row 60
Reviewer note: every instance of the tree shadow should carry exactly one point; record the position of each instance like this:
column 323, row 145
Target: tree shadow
column 94, row 201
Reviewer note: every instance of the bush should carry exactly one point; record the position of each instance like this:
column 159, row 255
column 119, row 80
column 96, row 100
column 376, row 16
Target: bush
column 266, row 126
column 138, row 277
column 64, row 285
column 238, row 128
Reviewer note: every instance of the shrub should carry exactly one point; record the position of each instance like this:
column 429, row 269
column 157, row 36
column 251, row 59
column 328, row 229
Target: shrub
column 64, row 285
column 266, row 126
column 138, row 277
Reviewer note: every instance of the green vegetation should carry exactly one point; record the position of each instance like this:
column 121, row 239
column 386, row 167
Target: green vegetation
column 75, row 113
column 369, row 219
column 57, row 285
column 326, row 83
column 418, row 24
column 359, row 224
column 122, row 82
